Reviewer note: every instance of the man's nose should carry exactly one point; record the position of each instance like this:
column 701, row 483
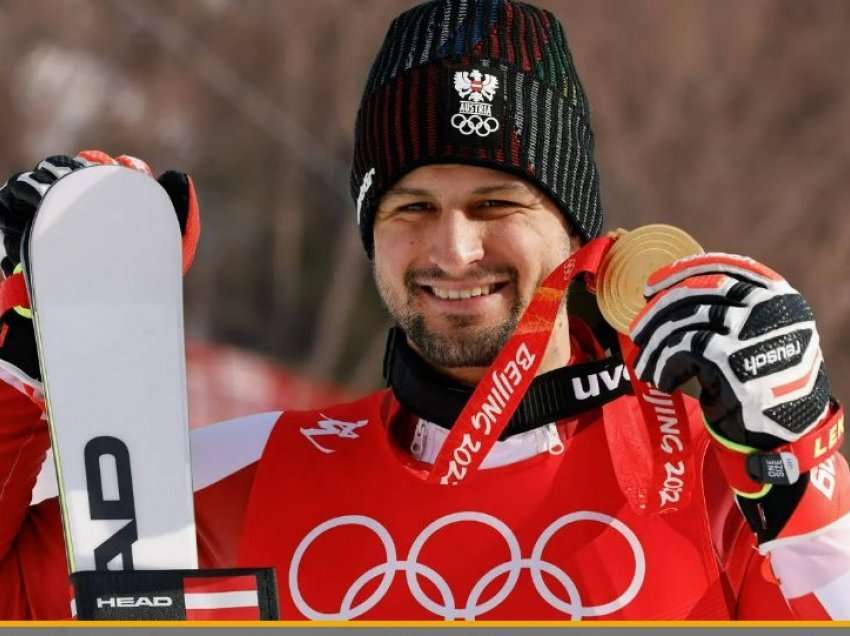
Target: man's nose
column 456, row 242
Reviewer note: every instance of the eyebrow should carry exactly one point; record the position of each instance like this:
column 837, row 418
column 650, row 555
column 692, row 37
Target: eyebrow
column 500, row 187
column 407, row 191
column 417, row 192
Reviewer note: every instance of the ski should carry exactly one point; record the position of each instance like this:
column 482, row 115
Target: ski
column 103, row 267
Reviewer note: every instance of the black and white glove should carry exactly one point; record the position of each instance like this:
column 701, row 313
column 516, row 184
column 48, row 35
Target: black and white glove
column 20, row 197
column 747, row 336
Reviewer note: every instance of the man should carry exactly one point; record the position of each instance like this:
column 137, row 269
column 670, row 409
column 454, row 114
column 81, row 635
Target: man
column 473, row 179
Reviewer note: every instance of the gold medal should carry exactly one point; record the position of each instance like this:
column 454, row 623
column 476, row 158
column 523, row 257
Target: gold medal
column 633, row 257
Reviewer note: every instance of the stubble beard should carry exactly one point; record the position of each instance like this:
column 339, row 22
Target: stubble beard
column 466, row 345
column 472, row 348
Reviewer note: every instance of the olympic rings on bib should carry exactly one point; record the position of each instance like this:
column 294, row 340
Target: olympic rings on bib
column 474, row 124
column 473, row 608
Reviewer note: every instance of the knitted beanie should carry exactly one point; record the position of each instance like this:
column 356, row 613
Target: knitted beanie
column 482, row 82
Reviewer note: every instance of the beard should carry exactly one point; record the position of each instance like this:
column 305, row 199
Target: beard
column 466, row 344
column 471, row 347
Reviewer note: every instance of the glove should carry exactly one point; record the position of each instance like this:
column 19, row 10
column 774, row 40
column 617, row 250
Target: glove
column 750, row 340
column 22, row 193
column 20, row 197
column 747, row 336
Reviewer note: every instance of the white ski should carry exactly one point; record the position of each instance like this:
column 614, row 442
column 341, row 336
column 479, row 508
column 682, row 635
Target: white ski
column 103, row 266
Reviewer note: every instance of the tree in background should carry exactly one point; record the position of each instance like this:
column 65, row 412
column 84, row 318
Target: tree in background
column 729, row 119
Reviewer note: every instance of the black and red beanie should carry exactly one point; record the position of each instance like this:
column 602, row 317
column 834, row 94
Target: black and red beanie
column 482, row 82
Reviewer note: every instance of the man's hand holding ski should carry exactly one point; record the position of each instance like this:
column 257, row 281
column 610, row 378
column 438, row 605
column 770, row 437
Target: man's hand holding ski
column 20, row 197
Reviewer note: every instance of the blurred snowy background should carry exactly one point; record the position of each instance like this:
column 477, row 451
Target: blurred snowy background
column 730, row 119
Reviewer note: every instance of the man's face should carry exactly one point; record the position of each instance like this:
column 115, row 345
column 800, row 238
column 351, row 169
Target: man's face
column 459, row 253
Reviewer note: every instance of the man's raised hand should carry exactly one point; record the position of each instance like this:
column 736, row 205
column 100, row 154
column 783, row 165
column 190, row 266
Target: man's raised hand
column 20, row 197
column 746, row 335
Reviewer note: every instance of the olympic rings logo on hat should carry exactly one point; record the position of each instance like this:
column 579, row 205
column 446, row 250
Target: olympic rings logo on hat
column 474, row 607
column 474, row 124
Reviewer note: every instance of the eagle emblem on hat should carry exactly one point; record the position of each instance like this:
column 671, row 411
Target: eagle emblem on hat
column 476, row 86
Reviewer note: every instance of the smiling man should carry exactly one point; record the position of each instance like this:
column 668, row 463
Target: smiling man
column 474, row 180
column 460, row 251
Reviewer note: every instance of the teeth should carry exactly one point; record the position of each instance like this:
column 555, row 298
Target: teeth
column 460, row 294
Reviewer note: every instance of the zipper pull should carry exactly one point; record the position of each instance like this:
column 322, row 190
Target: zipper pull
column 417, row 446
column 555, row 445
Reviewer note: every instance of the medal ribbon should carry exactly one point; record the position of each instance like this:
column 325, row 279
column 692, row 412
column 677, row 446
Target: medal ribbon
column 500, row 391
column 664, row 479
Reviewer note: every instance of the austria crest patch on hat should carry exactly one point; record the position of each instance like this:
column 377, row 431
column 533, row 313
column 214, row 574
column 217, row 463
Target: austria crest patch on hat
column 476, row 111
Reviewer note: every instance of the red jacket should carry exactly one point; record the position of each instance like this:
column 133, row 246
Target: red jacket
column 336, row 502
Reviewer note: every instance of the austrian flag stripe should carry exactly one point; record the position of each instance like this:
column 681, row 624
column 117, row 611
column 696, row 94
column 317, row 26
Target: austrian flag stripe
column 500, row 391
column 221, row 598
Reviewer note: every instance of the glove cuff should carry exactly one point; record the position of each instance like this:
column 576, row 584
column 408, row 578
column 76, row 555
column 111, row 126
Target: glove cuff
column 13, row 296
column 18, row 356
column 803, row 470
column 752, row 473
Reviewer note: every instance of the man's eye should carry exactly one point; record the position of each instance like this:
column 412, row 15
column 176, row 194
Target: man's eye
column 420, row 206
column 497, row 203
